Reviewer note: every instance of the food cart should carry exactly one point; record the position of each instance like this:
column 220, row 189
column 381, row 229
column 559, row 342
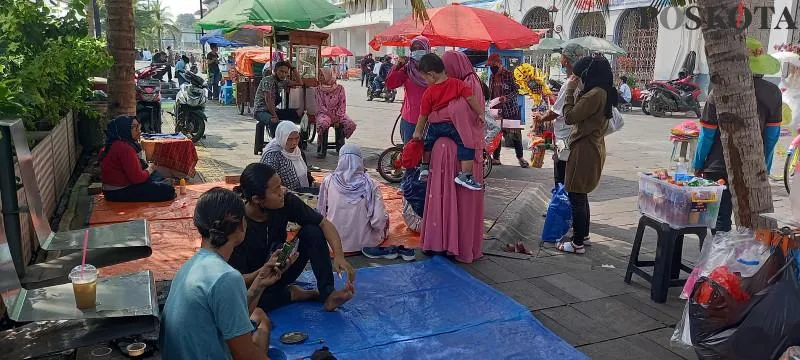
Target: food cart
column 249, row 64
column 304, row 50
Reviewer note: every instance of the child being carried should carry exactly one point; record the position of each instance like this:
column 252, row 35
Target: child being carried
column 443, row 97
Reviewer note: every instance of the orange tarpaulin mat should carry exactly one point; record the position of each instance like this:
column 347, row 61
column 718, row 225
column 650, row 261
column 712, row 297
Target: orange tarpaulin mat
column 175, row 239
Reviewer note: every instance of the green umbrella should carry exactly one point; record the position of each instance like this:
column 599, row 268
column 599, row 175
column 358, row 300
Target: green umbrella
column 548, row 45
column 292, row 14
column 598, row 45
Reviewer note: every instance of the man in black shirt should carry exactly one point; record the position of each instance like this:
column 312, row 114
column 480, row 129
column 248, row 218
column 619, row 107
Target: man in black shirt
column 214, row 74
column 269, row 208
column 367, row 64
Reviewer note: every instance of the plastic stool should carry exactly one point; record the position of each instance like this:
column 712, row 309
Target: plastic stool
column 667, row 265
column 324, row 144
column 683, row 150
column 226, row 94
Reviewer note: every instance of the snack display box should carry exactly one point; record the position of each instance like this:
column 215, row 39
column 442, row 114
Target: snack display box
column 680, row 206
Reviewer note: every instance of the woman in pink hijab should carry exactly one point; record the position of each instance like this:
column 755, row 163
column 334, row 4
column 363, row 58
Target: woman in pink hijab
column 405, row 74
column 332, row 105
column 453, row 215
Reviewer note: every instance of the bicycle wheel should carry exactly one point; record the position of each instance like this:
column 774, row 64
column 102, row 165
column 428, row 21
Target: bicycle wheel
column 789, row 168
column 487, row 164
column 389, row 164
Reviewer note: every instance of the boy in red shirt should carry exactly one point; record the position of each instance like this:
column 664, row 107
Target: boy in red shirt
column 441, row 91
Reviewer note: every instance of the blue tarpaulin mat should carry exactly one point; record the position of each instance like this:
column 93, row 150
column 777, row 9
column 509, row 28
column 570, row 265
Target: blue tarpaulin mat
column 423, row 310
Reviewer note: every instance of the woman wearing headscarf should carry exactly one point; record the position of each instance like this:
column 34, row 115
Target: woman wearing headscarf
column 453, row 216
column 588, row 113
column 126, row 176
column 352, row 201
column 332, row 106
column 405, row 74
column 284, row 155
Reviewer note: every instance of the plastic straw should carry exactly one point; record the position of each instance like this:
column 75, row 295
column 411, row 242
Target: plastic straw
column 85, row 245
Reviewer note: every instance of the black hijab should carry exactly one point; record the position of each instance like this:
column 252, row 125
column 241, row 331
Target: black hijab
column 595, row 71
column 119, row 129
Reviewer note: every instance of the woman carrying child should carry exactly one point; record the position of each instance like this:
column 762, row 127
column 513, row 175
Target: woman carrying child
column 453, row 215
column 445, row 104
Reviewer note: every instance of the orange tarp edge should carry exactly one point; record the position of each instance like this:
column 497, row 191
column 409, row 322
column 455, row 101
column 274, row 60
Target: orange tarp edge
column 175, row 239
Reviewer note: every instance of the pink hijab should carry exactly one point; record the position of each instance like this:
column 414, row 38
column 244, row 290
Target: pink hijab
column 457, row 65
column 327, row 81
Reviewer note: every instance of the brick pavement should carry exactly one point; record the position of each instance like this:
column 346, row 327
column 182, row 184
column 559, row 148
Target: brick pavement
column 583, row 299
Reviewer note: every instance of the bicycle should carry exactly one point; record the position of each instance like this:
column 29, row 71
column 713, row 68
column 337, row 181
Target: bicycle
column 390, row 162
column 790, row 166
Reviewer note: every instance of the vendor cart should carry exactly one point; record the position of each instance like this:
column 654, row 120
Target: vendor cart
column 249, row 64
column 304, row 50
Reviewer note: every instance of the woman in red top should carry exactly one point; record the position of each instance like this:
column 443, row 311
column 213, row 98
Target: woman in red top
column 126, row 176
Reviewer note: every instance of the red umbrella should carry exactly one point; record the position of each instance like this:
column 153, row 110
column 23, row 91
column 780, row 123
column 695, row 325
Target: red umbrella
column 334, row 51
column 461, row 26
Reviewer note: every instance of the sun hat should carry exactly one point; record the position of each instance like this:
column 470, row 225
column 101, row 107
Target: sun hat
column 761, row 62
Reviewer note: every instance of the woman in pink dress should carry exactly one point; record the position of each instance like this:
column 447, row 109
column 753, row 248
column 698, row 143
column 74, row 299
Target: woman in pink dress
column 332, row 106
column 453, row 216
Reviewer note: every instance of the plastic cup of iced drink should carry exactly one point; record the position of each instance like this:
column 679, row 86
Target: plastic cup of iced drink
column 84, row 285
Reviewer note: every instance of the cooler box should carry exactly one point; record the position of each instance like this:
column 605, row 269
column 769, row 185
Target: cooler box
column 679, row 206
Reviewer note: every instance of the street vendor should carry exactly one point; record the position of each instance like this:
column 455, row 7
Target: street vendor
column 503, row 86
column 126, row 176
column 709, row 161
column 267, row 98
column 269, row 207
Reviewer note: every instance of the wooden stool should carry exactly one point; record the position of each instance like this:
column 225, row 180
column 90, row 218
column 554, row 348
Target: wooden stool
column 667, row 265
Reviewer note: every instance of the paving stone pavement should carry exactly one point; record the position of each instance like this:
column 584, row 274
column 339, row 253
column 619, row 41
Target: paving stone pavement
column 583, row 299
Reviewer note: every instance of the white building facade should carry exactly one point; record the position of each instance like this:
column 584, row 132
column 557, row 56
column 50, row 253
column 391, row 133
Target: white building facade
column 363, row 23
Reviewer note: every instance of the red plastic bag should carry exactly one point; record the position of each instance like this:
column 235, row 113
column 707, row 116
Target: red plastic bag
column 727, row 280
column 412, row 154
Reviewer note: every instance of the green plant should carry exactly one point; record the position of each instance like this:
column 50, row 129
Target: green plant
column 46, row 61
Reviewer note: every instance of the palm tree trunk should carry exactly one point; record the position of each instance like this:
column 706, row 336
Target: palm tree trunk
column 739, row 126
column 121, row 86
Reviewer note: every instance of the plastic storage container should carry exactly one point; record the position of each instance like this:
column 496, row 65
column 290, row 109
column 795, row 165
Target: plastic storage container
column 679, row 206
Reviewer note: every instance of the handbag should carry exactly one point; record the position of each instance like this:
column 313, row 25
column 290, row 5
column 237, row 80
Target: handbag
column 563, row 150
column 615, row 123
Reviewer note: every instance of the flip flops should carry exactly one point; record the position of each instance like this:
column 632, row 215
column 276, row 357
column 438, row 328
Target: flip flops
column 569, row 247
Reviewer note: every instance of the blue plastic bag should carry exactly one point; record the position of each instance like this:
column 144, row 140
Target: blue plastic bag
column 559, row 216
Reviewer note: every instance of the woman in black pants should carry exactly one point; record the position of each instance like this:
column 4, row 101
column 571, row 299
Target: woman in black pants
column 588, row 112
column 268, row 209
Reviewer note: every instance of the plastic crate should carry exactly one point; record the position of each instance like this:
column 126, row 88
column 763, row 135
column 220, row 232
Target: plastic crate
column 679, row 206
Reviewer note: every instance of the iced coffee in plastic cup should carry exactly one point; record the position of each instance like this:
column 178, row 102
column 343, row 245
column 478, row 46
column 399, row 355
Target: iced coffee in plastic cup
column 85, row 286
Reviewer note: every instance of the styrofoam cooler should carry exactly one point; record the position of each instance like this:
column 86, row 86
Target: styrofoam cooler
column 679, row 206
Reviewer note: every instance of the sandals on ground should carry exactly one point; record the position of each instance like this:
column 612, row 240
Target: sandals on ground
column 523, row 163
column 569, row 247
column 518, row 248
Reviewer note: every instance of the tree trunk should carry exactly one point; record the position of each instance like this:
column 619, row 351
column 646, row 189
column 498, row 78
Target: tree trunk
column 90, row 17
column 121, row 86
column 739, row 126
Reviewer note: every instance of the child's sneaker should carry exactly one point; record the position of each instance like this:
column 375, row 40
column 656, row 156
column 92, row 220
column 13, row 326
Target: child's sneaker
column 423, row 172
column 467, row 181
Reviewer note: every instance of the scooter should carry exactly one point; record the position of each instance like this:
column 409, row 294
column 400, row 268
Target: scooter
column 148, row 97
column 190, row 106
column 672, row 96
column 384, row 93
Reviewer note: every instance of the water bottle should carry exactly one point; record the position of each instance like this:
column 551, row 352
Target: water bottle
column 682, row 172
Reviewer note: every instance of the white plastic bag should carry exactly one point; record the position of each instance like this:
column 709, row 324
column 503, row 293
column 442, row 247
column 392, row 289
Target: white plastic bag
column 738, row 250
column 683, row 335
column 615, row 123
column 492, row 126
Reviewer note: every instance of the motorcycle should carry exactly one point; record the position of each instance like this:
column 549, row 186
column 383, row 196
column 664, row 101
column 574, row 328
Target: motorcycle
column 679, row 95
column 148, row 97
column 384, row 93
column 190, row 106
